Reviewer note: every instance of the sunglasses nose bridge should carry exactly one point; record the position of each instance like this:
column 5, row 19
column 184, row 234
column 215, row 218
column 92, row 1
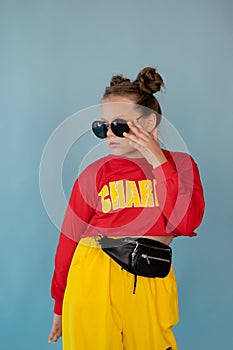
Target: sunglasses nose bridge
column 109, row 130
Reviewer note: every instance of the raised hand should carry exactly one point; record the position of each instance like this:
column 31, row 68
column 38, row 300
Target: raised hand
column 146, row 143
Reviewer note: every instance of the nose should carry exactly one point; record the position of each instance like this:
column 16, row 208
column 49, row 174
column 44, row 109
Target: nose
column 109, row 132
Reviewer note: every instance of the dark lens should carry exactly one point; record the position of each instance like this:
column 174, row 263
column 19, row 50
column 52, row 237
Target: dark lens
column 119, row 126
column 100, row 129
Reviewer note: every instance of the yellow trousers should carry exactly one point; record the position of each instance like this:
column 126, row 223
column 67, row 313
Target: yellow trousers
column 100, row 311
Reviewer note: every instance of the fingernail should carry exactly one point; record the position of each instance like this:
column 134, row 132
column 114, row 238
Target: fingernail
column 49, row 341
column 124, row 133
column 130, row 123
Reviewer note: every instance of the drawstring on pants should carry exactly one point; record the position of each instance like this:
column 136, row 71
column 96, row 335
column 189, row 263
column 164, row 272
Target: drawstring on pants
column 135, row 284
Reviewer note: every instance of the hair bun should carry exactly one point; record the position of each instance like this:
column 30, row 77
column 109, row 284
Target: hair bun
column 118, row 79
column 149, row 80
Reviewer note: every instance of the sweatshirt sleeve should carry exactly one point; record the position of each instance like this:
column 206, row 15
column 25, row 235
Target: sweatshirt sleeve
column 78, row 214
column 180, row 194
column 63, row 257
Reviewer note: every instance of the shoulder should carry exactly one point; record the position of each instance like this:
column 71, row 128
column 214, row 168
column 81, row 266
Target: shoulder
column 177, row 156
column 91, row 170
column 180, row 159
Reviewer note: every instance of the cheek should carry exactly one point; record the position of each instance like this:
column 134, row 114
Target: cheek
column 143, row 123
column 126, row 145
column 125, row 142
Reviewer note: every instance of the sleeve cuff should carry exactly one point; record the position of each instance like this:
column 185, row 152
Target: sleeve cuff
column 58, row 307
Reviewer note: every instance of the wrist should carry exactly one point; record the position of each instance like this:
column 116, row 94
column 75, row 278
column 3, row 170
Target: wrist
column 158, row 160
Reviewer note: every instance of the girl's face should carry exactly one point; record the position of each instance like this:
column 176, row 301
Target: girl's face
column 114, row 107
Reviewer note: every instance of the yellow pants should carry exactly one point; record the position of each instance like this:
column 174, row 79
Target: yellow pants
column 100, row 311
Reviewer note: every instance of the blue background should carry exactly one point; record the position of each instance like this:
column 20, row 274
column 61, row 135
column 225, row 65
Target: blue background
column 56, row 58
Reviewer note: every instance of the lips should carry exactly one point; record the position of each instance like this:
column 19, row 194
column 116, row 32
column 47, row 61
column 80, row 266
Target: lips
column 112, row 144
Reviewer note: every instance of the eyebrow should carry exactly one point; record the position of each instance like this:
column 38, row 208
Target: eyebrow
column 120, row 116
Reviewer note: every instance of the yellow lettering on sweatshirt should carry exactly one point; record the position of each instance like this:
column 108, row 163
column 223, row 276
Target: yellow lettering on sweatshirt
column 117, row 194
column 128, row 194
column 132, row 195
column 147, row 199
column 106, row 203
column 155, row 193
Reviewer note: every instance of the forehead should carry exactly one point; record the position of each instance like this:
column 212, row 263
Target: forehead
column 118, row 107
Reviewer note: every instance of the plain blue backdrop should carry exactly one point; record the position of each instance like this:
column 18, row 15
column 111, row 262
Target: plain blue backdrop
column 56, row 58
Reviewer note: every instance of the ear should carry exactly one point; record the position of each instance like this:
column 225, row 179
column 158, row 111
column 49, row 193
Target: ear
column 149, row 122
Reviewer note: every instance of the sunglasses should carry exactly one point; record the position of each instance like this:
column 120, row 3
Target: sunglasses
column 118, row 127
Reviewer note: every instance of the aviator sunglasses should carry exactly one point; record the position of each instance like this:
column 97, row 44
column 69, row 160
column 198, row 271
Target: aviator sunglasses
column 118, row 126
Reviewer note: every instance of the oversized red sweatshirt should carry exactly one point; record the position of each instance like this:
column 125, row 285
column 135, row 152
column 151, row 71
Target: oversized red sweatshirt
column 118, row 196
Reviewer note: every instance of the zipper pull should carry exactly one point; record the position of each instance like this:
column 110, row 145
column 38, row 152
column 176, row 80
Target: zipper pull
column 146, row 257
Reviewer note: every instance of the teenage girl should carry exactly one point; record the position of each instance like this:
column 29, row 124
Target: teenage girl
column 138, row 190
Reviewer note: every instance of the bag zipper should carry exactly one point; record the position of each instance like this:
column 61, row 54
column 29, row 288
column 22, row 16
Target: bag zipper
column 145, row 245
column 147, row 257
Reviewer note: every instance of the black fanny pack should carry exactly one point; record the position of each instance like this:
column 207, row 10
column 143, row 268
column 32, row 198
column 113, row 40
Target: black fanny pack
column 141, row 257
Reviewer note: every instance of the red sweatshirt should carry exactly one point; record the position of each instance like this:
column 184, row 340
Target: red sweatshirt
column 119, row 196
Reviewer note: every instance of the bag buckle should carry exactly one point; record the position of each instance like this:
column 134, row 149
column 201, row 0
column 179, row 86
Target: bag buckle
column 98, row 237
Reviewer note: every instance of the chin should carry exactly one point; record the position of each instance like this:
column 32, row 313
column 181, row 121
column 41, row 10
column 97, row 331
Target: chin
column 117, row 153
column 121, row 152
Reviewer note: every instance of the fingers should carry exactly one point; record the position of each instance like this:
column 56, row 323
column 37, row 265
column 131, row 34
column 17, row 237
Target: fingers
column 146, row 143
column 138, row 130
column 56, row 330
column 54, row 336
column 139, row 136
